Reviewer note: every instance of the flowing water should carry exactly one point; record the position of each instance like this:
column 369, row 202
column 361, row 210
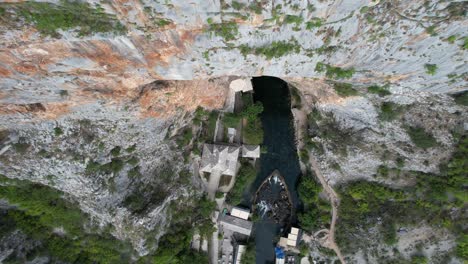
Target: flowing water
column 281, row 154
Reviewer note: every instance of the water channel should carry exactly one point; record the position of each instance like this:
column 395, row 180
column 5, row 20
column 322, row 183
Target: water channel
column 279, row 154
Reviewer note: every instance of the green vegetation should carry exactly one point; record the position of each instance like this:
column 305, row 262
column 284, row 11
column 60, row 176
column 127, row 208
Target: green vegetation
column 42, row 209
column 462, row 247
column 344, row 89
column 276, row 49
column 379, row 90
column 253, row 132
column 461, row 98
column 69, row 14
column 430, row 68
column 21, row 147
column 421, row 138
column 185, row 138
column 465, row 43
column 186, row 217
column 114, row 166
column 315, row 22
column 316, row 211
column 249, row 255
column 237, row 5
column 244, row 179
column 131, row 148
column 162, row 22
column 227, row 30
column 58, row 131
column 115, row 151
column 452, row 39
column 292, row 19
column 334, row 72
column 364, row 9
column 389, row 111
column 365, row 205
column 431, row 30
column 256, row 7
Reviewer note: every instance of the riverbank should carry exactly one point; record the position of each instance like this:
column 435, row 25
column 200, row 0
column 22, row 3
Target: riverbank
column 300, row 114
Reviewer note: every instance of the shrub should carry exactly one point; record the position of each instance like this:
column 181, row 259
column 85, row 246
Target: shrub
column 462, row 247
column 133, row 161
column 380, row 90
column 226, row 30
column 452, row 39
column 339, row 73
column 245, row 177
column 252, row 111
column 115, row 151
column 253, row 132
column 292, row 19
column 314, row 23
column 430, row 68
column 21, row 147
column 69, row 14
column 461, row 98
column 344, row 89
column 334, row 72
column 237, row 5
column 256, row 7
column 58, row 131
column 131, row 148
column 382, row 170
column 389, row 111
column 431, row 30
column 421, row 138
column 465, row 43
column 278, row 49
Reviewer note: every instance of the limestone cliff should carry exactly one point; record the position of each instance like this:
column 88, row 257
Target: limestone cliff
column 68, row 97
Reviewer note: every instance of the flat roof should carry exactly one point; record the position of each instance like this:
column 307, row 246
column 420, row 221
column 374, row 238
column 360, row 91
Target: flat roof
column 292, row 237
column 236, row 224
column 294, row 231
column 240, row 213
column 292, row 242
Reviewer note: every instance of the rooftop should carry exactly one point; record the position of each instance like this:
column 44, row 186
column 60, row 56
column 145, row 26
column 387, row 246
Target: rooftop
column 250, row 151
column 220, row 158
column 235, row 224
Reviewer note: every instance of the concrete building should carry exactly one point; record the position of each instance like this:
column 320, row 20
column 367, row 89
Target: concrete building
column 251, row 151
column 235, row 224
column 240, row 250
column 219, row 158
column 291, row 240
column 240, row 213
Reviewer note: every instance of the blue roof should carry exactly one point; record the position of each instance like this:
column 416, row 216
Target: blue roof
column 279, row 253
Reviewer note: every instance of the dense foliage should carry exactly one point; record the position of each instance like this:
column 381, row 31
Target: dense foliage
column 316, row 212
column 244, row 179
column 41, row 210
column 434, row 200
column 187, row 217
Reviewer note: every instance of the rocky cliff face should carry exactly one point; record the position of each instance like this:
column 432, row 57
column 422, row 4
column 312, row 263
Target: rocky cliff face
column 68, row 99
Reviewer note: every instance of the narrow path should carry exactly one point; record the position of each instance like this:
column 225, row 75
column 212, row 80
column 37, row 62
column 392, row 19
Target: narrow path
column 334, row 200
column 300, row 123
